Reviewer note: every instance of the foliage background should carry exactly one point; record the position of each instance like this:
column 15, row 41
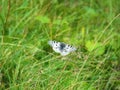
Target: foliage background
column 28, row 62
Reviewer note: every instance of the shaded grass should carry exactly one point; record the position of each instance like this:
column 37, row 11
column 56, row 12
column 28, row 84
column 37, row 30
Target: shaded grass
column 27, row 62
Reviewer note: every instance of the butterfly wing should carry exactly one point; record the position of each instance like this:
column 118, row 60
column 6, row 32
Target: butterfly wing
column 67, row 50
column 64, row 53
column 55, row 45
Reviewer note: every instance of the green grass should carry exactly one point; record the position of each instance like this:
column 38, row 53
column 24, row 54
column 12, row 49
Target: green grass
column 27, row 62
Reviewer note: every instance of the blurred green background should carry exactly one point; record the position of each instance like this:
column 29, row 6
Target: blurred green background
column 27, row 62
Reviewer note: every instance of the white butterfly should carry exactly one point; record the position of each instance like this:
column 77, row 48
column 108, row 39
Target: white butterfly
column 62, row 48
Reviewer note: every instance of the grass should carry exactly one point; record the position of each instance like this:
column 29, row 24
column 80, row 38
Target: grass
column 27, row 62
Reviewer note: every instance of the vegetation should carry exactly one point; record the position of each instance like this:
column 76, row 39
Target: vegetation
column 27, row 62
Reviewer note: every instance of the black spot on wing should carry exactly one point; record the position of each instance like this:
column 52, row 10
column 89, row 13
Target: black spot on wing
column 69, row 46
column 54, row 41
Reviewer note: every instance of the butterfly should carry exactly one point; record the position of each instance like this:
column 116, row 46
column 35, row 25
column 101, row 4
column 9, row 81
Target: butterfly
column 62, row 48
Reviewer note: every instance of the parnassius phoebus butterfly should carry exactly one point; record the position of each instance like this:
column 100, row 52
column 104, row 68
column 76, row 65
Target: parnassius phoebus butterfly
column 62, row 48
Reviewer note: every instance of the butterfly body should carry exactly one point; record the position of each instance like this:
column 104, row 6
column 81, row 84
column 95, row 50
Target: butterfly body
column 62, row 48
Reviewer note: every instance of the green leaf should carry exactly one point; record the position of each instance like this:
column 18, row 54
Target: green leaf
column 96, row 47
column 89, row 46
column 91, row 12
column 43, row 19
column 100, row 50
column 60, row 22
